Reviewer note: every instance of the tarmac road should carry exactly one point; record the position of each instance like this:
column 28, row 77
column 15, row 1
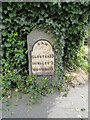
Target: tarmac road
column 75, row 105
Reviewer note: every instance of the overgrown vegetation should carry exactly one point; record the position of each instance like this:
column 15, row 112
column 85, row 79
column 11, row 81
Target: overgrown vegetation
column 65, row 22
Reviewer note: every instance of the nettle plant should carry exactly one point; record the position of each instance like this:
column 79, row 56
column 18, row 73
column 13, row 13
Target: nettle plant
column 65, row 22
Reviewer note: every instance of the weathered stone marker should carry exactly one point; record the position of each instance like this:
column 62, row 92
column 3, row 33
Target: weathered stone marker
column 42, row 58
column 40, row 54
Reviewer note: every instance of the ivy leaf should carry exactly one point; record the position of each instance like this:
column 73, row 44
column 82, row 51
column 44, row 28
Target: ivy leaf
column 5, row 11
column 7, row 45
column 9, row 8
column 4, row 33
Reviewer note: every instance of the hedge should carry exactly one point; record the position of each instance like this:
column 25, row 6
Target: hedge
column 65, row 22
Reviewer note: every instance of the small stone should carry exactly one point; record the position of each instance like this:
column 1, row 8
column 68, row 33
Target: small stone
column 16, row 90
column 56, row 98
column 84, row 101
column 72, row 110
column 83, row 109
column 8, row 96
column 82, row 96
column 77, row 109
column 12, row 113
column 79, row 116
column 72, row 103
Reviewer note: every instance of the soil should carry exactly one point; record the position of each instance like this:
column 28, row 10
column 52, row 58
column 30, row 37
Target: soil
column 79, row 77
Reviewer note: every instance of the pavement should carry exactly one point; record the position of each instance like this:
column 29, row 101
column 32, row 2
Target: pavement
column 75, row 105
column 0, row 110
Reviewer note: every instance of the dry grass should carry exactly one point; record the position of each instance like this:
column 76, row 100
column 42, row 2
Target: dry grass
column 78, row 77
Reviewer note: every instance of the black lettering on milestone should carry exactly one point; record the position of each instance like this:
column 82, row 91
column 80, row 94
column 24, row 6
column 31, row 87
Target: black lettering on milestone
column 38, row 56
column 39, row 69
column 46, row 44
column 52, row 56
column 35, row 56
column 33, row 69
column 36, row 69
column 32, row 56
column 38, row 43
column 51, row 68
column 47, row 69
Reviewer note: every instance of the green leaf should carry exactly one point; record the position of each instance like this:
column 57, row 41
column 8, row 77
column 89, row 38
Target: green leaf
column 7, row 45
column 9, row 8
column 5, row 11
